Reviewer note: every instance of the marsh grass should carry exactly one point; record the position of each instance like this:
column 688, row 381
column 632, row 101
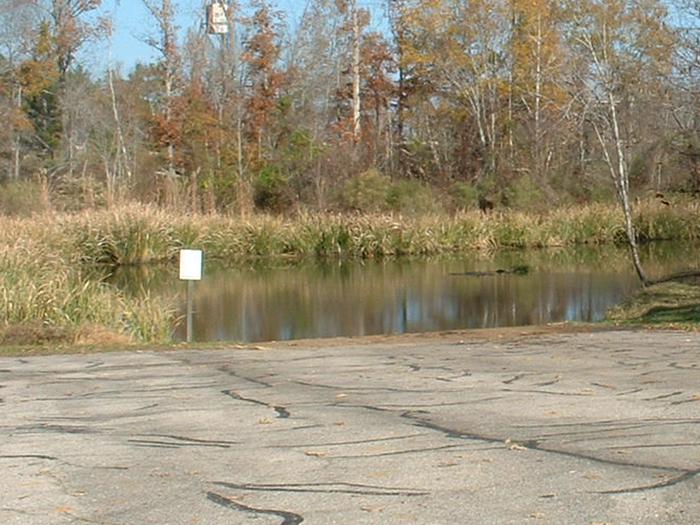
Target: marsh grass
column 46, row 260
column 47, row 296
column 139, row 234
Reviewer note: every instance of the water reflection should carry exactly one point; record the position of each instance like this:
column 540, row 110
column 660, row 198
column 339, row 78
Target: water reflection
column 325, row 300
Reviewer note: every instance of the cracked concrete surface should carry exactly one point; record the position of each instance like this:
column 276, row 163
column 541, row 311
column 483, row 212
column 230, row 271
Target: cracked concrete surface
column 579, row 428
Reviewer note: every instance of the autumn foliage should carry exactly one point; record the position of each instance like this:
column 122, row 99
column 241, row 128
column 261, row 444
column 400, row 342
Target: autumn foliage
column 505, row 101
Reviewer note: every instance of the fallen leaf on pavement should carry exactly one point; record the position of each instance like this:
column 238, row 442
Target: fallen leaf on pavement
column 512, row 445
column 315, row 454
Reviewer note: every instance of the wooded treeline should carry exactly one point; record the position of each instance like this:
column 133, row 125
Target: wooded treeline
column 522, row 103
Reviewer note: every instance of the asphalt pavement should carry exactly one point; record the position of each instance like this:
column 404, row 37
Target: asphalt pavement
column 586, row 428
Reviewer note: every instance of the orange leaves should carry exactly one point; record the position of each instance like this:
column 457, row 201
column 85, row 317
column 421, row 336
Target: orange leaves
column 262, row 51
column 39, row 73
column 192, row 124
column 37, row 76
column 376, row 67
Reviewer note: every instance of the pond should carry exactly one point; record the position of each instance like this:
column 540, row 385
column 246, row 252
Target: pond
column 263, row 303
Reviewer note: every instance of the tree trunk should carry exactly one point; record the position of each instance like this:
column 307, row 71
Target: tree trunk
column 356, row 130
column 14, row 170
column 622, row 183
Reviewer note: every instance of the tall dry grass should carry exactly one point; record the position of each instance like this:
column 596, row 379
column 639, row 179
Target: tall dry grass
column 43, row 285
column 43, row 259
column 140, row 234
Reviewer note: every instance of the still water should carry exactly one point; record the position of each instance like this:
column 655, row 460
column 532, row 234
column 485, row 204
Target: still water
column 391, row 297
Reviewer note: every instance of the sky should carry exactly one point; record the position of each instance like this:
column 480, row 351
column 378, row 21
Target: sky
column 131, row 22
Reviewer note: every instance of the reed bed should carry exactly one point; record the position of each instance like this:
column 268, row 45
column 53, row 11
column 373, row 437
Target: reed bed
column 135, row 234
column 44, row 259
column 44, row 289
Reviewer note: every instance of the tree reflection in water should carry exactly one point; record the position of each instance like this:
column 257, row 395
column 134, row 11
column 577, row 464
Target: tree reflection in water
column 391, row 297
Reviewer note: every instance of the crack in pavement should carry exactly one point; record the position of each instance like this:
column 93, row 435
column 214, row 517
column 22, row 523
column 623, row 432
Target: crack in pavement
column 535, row 445
column 105, row 393
column 288, row 518
column 396, row 452
column 60, row 429
column 549, row 392
column 218, row 442
column 665, row 396
column 513, row 379
column 324, row 488
column 693, row 399
column 154, row 444
column 363, row 389
column 28, row 456
column 628, row 392
column 226, row 369
column 628, row 423
column 282, row 412
column 178, row 442
column 657, row 445
column 355, row 442
column 686, row 476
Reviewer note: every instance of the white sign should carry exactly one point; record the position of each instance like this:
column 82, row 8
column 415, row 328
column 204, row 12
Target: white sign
column 217, row 19
column 191, row 265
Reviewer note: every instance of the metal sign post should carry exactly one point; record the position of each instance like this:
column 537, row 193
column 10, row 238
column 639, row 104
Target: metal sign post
column 190, row 271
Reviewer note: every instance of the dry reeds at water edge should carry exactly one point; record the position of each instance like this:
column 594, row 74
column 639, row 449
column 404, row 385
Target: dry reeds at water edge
column 48, row 261
column 47, row 294
column 138, row 234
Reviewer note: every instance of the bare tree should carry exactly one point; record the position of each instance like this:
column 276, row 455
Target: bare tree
column 18, row 19
column 165, row 42
column 624, row 44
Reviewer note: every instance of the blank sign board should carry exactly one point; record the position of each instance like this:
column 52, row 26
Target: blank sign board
column 191, row 265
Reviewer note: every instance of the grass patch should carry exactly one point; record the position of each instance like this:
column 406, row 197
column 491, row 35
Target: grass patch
column 671, row 304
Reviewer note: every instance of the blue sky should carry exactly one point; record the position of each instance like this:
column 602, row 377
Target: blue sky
column 131, row 21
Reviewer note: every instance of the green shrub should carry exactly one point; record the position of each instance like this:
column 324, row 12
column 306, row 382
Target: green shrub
column 465, row 196
column 411, row 197
column 366, row 192
column 525, row 194
column 271, row 190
